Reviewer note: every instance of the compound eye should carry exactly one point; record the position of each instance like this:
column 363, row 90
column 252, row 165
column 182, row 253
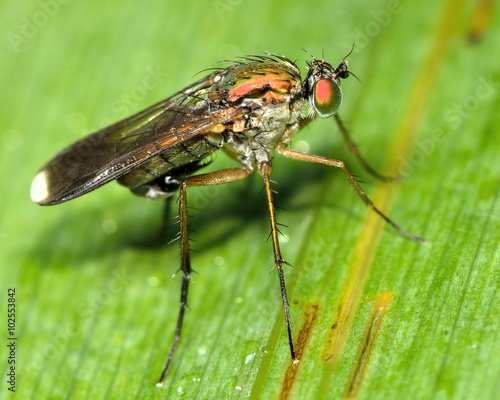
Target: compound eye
column 327, row 97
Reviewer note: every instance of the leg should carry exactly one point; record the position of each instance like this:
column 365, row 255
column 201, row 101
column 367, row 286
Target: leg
column 355, row 151
column 265, row 172
column 165, row 223
column 301, row 156
column 211, row 178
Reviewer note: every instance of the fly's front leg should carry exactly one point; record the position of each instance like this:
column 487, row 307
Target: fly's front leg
column 209, row 179
column 301, row 156
column 265, row 172
column 354, row 150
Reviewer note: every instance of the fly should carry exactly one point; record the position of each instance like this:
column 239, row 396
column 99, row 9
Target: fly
column 248, row 109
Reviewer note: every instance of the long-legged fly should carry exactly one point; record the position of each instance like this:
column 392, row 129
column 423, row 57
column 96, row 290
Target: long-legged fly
column 249, row 109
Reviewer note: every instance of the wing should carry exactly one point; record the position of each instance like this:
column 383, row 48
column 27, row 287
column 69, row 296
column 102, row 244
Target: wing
column 122, row 147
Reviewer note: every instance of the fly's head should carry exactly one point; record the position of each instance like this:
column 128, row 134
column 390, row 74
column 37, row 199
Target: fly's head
column 322, row 86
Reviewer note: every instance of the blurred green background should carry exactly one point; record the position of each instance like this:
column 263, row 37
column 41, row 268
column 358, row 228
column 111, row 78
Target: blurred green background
column 375, row 315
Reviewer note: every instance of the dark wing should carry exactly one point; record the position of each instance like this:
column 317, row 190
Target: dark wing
column 119, row 148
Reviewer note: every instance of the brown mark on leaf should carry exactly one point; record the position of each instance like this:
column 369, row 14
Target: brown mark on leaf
column 480, row 20
column 367, row 344
column 310, row 316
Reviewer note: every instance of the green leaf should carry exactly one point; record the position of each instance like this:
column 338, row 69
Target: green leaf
column 374, row 314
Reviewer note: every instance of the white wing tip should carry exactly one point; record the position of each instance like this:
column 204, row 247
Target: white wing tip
column 39, row 187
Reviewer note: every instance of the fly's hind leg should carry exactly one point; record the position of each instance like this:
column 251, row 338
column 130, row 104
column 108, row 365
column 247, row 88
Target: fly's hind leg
column 209, row 179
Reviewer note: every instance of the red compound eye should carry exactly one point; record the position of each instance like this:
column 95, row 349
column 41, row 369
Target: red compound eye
column 327, row 97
